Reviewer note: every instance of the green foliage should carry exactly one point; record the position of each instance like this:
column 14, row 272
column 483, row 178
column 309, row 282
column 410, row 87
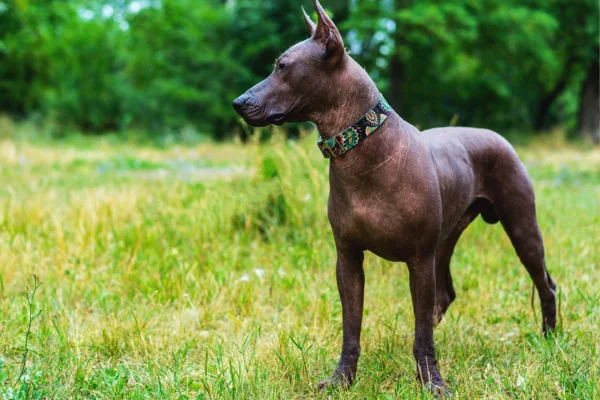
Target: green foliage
column 107, row 65
column 62, row 66
column 181, row 69
column 264, row 30
column 484, row 62
column 479, row 60
column 576, row 47
column 86, row 83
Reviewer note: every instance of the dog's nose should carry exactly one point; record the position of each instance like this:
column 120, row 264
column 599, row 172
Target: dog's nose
column 239, row 102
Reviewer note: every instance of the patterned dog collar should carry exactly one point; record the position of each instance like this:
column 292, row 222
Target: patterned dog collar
column 341, row 143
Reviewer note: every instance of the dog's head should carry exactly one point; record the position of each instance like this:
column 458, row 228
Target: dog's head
column 302, row 79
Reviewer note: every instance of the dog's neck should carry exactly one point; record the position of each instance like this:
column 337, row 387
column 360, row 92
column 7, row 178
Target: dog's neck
column 353, row 94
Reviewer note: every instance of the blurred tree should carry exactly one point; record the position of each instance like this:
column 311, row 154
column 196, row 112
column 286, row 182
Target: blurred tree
column 262, row 32
column 182, row 67
column 23, row 28
column 457, row 58
column 61, row 65
column 575, row 45
column 588, row 123
column 102, row 65
column 86, row 71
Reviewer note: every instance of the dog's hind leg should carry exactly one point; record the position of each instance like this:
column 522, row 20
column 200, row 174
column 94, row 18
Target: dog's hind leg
column 515, row 207
column 444, row 288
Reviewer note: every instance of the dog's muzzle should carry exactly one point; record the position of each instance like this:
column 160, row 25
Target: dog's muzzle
column 238, row 104
column 253, row 112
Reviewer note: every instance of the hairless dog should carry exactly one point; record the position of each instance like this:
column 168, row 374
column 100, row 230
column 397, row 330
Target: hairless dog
column 402, row 194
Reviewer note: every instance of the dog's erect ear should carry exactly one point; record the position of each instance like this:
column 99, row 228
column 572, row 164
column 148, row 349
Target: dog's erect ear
column 328, row 35
column 309, row 22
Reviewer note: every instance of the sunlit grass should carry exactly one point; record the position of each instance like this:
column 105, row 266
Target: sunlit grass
column 165, row 277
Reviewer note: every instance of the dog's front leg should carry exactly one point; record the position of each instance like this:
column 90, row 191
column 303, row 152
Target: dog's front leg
column 351, row 283
column 422, row 290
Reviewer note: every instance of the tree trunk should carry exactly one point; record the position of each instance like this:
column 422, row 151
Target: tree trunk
column 550, row 97
column 589, row 104
column 396, row 83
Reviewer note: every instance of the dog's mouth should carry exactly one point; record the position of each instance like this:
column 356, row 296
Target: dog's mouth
column 277, row 119
column 258, row 119
column 254, row 113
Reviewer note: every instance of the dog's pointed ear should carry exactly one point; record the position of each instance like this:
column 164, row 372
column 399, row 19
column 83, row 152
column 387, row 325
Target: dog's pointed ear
column 309, row 22
column 328, row 35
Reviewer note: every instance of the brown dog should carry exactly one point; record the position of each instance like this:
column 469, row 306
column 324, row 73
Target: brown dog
column 404, row 195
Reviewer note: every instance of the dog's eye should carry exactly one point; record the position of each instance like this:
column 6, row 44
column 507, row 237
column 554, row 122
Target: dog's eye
column 281, row 67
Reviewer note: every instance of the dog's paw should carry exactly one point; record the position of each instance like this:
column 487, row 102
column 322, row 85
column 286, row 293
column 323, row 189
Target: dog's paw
column 337, row 380
column 438, row 391
column 435, row 385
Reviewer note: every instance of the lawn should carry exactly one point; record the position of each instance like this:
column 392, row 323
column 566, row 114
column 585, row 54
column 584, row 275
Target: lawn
column 208, row 271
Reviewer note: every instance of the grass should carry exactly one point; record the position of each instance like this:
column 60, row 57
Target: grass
column 208, row 272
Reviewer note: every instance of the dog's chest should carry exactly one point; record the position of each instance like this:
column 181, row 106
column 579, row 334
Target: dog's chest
column 387, row 225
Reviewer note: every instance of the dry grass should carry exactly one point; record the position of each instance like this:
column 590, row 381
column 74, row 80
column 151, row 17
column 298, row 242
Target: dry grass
column 179, row 287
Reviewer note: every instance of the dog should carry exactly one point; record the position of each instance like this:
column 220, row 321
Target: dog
column 402, row 194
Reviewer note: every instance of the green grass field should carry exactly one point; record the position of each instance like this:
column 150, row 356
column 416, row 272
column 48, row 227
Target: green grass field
column 208, row 272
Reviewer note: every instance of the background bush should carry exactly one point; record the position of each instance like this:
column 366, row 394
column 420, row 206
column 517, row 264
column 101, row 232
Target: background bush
column 156, row 65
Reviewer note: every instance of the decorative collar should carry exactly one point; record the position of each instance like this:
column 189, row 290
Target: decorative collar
column 342, row 142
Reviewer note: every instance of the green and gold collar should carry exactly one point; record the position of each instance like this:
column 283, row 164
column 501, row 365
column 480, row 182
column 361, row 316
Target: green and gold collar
column 341, row 143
